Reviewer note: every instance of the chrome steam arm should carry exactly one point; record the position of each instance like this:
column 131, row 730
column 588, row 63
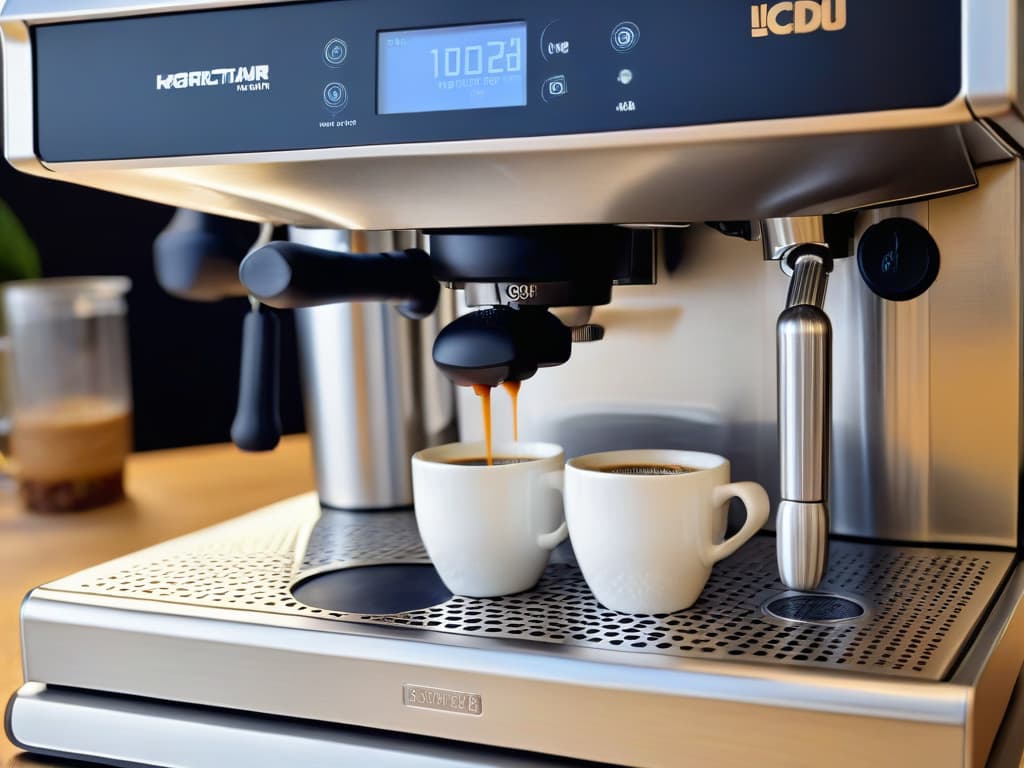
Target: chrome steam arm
column 804, row 338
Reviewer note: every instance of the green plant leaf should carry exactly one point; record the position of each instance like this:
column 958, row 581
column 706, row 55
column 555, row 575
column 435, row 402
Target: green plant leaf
column 19, row 259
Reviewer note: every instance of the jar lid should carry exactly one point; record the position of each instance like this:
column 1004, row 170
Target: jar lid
column 63, row 297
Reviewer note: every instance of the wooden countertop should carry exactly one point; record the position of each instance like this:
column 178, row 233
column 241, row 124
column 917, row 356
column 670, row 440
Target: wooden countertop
column 170, row 493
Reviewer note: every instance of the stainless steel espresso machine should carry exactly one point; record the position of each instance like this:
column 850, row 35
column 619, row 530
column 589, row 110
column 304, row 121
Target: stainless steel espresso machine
column 786, row 232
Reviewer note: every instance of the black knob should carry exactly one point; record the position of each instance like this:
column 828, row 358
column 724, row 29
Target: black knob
column 500, row 344
column 257, row 424
column 289, row 275
column 197, row 255
column 898, row 259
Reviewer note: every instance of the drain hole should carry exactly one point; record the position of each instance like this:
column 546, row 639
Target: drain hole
column 814, row 608
column 374, row 589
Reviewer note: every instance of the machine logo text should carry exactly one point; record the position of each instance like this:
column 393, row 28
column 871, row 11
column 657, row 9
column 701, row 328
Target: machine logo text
column 521, row 291
column 797, row 17
column 254, row 78
column 422, row 697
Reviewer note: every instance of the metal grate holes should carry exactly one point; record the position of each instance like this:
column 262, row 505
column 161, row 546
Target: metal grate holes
column 924, row 602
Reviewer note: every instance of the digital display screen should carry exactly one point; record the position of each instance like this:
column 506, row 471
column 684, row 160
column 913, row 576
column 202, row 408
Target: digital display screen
column 470, row 67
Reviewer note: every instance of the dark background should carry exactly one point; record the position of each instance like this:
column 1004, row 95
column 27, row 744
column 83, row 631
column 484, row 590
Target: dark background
column 184, row 354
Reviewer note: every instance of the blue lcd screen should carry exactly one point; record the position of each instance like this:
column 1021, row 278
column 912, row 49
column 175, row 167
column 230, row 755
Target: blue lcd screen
column 469, row 67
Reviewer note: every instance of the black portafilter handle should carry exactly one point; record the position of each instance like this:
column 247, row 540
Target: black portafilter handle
column 291, row 276
column 499, row 344
column 196, row 256
column 257, row 423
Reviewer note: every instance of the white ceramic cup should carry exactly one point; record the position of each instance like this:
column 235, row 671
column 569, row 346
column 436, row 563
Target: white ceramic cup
column 646, row 543
column 489, row 530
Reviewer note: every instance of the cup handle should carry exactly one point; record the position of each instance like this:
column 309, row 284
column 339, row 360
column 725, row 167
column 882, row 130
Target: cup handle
column 755, row 500
column 555, row 480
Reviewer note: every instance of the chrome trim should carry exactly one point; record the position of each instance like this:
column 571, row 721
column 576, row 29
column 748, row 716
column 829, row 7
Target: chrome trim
column 991, row 56
column 68, row 723
column 18, row 96
column 804, row 343
column 394, row 186
column 866, row 609
column 991, row 667
column 801, row 541
column 54, row 11
column 780, row 235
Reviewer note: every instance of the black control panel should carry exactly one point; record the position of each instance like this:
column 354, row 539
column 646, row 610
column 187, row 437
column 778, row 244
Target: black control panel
column 368, row 72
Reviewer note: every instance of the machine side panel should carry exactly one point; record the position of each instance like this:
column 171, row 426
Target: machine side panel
column 259, row 79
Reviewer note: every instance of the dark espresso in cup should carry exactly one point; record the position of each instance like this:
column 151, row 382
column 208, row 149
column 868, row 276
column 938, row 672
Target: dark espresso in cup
column 646, row 469
column 497, row 461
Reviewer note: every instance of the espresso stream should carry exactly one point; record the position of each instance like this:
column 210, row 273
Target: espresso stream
column 512, row 387
column 484, row 393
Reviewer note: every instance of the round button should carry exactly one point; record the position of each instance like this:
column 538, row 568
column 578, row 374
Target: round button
column 625, row 36
column 335, row 52
column 335, row 96
column 554, row 41
column 898, row 259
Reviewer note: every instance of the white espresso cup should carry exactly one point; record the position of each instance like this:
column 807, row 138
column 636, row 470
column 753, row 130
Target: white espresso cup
column 489, row 530
column 646, row 542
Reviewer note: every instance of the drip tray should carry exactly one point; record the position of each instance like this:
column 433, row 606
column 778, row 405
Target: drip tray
column 895, row 611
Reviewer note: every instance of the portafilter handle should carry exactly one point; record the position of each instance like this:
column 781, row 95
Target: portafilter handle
column 287, row 275
column 257, row 423
column 291, row 276
column 804, row 336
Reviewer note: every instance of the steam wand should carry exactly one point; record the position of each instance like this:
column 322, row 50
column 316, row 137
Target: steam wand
column 804, row 340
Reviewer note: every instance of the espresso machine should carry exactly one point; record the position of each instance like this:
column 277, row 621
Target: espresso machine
column 789, row 233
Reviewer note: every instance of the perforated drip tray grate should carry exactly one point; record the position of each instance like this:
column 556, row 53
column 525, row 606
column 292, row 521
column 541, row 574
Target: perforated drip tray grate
column 922, row 604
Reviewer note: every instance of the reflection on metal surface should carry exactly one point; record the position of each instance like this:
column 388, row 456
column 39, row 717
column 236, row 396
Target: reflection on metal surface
column 805, row 400
column 926, row 404
column 926, row 602
column 804, row 340
column 801, row 543
column 372, row 395
column 69, row 723
column 779, row 235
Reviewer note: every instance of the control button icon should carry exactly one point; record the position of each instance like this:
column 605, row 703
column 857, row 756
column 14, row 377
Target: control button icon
column 335, row 52
column 335, row 96
column 625, row 36
column 554, row 41
column 625, row 76
column 554, row 87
